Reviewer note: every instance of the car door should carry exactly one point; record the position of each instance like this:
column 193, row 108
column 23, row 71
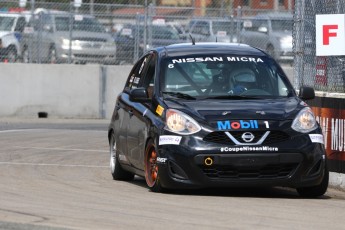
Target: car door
column 137, row 127
column 124, row 112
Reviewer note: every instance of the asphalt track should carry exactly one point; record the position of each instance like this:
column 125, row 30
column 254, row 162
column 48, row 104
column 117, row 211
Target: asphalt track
column 54, row 175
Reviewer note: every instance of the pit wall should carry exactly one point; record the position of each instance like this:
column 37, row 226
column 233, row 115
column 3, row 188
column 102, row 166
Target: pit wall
column 63, row 91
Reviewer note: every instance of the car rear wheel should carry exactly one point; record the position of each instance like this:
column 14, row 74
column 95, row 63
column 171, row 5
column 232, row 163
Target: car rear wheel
column 12, row 55
column 25, row 55
column 117, row 171
column 270, row 51
column 52, row 59
column 315, row 191
column 152, row 169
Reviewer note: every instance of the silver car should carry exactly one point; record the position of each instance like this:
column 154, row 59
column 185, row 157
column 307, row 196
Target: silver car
column 61, row 37
column 213, row 30
column 11, row 28
column 270, row 32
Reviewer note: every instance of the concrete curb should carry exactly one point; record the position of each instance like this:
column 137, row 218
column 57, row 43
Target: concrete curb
column 337, row 180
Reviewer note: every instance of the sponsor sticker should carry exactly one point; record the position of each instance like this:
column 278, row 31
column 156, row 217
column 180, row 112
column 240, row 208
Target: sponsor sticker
column 159, row 110
column 250, row 149
column 241, row 124
column 316, row 138
column 161, row 160
column 216, row 59
column 169, row 140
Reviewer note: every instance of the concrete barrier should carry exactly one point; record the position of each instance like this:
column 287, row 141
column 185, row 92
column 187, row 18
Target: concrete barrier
column 62, row 91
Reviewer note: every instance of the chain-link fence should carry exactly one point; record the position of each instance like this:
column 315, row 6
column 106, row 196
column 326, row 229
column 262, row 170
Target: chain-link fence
column 323, row 73
column 108, row 33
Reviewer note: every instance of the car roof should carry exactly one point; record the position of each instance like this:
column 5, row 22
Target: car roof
column 274, row 16
column 208, row 47
column 58, row 13
column 14, row 15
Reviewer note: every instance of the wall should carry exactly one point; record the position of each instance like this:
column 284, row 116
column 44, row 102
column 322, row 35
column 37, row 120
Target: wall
column 63, row 91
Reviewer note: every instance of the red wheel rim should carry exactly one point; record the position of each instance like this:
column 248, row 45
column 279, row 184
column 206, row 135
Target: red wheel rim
column 151, row 169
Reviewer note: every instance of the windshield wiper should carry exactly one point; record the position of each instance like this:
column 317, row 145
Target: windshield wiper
column 179, row 95
column 235, row 97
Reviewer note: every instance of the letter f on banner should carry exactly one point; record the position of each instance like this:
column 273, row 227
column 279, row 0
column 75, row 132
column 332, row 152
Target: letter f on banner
column 327, row 33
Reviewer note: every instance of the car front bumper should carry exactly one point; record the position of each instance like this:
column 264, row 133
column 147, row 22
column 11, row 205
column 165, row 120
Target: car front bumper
column 197, row 164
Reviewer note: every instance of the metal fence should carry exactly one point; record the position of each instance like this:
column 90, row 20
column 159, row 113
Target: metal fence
column 57, row 32
column 323, row 73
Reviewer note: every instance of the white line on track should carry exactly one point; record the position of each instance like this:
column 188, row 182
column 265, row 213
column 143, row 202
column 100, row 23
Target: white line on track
column 62, row 149
column 59, row 165
column 25, row 130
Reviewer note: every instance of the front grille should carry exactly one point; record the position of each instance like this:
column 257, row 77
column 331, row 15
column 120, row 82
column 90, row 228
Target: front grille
column 91, row 45
column 220, row 137
column 266, row 172
column 90, row 39
column 89, row 56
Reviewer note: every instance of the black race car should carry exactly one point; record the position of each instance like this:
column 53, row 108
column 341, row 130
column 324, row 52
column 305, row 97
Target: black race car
column 215, row 115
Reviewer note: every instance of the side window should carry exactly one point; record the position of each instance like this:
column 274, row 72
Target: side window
column 136, row 73
column 20, row 24
column 201, row 28
column 148, row 78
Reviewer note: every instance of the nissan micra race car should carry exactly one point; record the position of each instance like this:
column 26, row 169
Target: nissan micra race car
column 215, row 115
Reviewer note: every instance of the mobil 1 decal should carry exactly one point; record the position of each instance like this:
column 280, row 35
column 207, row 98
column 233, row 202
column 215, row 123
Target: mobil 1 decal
column 242, row 124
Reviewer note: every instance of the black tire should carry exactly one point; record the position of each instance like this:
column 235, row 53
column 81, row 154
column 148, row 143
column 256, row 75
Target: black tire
column 52, row 56
column 317, row 190
column 25, row 55
column 151, row 168
column 116, row 169
column 12, row 55
column 270, row 51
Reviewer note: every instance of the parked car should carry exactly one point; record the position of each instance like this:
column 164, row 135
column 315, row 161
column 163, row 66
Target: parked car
column 215, row 115
column 270, row 32
column 11, row 28
column 213, row 30
column 130, row 40
column 48, row 38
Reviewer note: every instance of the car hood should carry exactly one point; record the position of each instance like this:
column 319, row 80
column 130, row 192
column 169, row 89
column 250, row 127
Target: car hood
column 4, row 33
column 215, row 110
column 281, row 34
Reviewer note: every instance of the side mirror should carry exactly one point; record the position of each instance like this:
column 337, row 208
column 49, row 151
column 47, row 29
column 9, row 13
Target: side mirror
column 139, row 95
column 306, row 93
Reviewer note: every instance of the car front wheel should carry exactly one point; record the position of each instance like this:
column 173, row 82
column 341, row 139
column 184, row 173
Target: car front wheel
column 315, row 191
column 117, row 171
column 12, row 55
column 152, row 169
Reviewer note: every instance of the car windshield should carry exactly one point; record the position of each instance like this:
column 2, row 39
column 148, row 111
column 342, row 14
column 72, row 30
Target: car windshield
column 223, row 27
column 158, row 32
column 282, row 25
column 6, row 23
column 223, row 77
column 80, row 23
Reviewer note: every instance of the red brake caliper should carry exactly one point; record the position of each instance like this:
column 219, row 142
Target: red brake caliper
column 153, row 165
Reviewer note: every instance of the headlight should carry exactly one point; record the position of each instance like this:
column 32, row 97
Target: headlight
column 180, row 123
column 75, row 44
column 65, row 42
column 304, row 121
column 286, row 40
